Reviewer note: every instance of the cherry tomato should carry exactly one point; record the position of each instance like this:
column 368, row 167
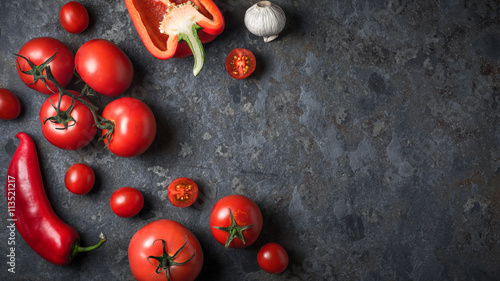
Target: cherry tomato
column 235, row 221
column 104, row 67
column 10, row 107
column 162, row 240
column 74, row 17
column 40, row 49
column 135, row 126
column 79, row 178
column 272, row 258
column 126, row 202
column 240, row 63
column 182, row 192
column 79, row 132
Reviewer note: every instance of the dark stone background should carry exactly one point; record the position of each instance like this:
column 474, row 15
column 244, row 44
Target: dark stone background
column 368, row 135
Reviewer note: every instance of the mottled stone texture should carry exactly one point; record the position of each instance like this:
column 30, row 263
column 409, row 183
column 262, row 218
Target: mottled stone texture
column 368, row 135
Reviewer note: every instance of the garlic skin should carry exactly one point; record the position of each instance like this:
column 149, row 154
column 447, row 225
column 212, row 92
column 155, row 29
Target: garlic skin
column 265, row 19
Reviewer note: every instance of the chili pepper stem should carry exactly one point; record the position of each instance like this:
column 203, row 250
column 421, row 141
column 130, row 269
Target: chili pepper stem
column 78, row 249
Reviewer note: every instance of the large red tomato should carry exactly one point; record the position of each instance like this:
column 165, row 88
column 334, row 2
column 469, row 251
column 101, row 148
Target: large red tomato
column 37, row 51
column 104, row 67
column 135, row 126
column 79, row 132
column 235, row 221
column 165, row 250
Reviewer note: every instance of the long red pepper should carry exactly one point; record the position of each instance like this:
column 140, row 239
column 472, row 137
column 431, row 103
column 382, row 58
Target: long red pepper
column 32, row 213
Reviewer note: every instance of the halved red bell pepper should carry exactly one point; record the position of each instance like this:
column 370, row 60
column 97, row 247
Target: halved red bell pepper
column 163, row 24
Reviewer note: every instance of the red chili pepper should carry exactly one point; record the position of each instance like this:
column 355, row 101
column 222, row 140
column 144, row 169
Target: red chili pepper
column 32, row 213
column 162, row 24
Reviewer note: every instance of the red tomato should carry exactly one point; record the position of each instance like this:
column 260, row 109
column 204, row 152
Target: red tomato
column 170, row 243
column 10, row 107
column 272, row 258
column 182, row 192
column 135, row 126
column 238, row 215
column 104, row 67
column 240, row 63
column 79, row 178
column 38, row 50
column 126, row 202
column 74, row 17
column 79, row 132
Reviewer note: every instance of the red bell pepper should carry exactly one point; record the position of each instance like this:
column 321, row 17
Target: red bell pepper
column 163, row 24
column 30, row 209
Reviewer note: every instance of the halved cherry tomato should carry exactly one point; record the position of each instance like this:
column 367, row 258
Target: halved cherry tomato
column 240, row 63
column 79, row 178
column 74, row 17
column 10, row 107
column 126, row 202
column 182, row 192
column 272, row 258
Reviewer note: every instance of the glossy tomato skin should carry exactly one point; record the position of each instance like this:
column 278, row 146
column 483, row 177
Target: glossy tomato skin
column 135, row 126
column 142, row 245
column 10, row 107
column 104, row 67
column 74, row 17
column 272, row 258
column 182, row 192
column 126, row 202
column 79, row 178
column 240, row 63
column 78, row 134
column 38, row 50
column 245, row 213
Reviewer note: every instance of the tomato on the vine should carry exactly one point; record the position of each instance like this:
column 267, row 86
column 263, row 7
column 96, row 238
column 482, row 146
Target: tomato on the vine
column 10, row 107
column 165, row 250
column 80, row 128
column 79, row 178
column 236, row 221
column 182, row 192
column 272, row 258
column 74, row 17
column 38, row 51
column 135, row 126
column 126, row 202
column 104, row 67
column 240, row 63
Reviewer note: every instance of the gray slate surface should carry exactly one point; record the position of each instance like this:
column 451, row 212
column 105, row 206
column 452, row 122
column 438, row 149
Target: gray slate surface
column 368, row 135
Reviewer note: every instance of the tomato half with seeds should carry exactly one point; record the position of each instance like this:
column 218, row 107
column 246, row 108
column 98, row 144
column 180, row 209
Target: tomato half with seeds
column 182, row 192
column 240, row 63
column 236, row 221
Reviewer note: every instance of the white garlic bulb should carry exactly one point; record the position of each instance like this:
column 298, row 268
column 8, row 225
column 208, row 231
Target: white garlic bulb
column 265, row 19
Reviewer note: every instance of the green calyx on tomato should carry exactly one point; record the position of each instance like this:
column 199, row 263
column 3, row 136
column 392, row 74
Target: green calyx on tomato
column 62, row 117
column 234, row 230
column 165, row 261
column 36, row 70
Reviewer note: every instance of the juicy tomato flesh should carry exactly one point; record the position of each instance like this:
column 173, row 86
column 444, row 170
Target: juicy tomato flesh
column 240, row 63
column 182, row 192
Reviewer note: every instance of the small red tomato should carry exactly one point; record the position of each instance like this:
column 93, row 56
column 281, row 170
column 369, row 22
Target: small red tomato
column 236, row 221
column 74, row 17
column 79, row 178
column 182, row 192
column 10, row 107
column 272, row 258
column 126, row 202
column 240, row 63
